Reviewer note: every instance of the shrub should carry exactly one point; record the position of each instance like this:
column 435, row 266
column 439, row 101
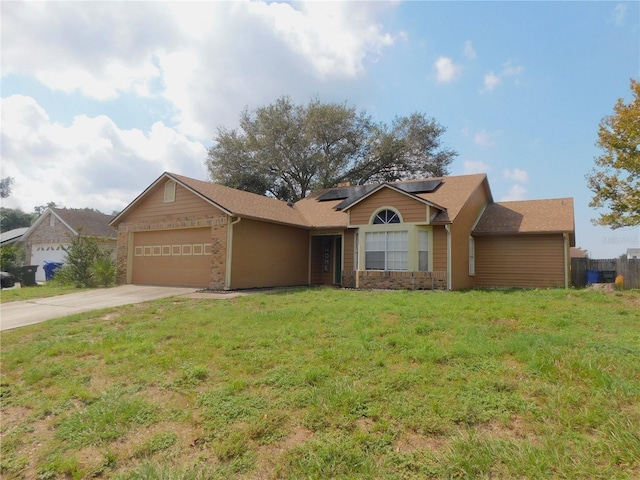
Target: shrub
column 86, row 265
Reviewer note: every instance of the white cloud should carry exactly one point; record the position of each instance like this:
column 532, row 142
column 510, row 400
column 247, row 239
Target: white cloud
column 516, row 174
column 475, row 166
column 90, row 163
column 493, row 80
column 485, row 139
column 516, row 192
column 469, row 51
column 619, row 13
column 208, row 59
column 446, row 70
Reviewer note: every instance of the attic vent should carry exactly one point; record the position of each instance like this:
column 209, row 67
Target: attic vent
column 170, row 191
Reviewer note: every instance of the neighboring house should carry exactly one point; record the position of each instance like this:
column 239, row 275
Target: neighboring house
column 633, row 253
column 53, row 231
column 436, row 233
column 577, row 252
column 12, row 236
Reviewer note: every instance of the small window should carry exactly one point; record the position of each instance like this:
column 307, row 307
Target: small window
column 385, row 217
column 472, row 256
column 170, row 191
column 423, row 250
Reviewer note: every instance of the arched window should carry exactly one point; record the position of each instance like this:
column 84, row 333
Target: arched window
column 386, row 216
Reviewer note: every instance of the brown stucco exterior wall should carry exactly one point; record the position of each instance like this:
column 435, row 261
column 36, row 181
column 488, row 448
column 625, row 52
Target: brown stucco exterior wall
column 268, row 255
column 521, row 261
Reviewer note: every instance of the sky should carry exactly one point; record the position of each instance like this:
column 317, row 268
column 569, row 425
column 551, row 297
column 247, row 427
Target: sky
column 100, row 98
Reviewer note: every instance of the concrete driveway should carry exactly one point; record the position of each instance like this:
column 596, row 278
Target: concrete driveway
column 28, row 312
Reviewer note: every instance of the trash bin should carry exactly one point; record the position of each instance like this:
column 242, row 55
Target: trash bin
column 50, row 269
column 608, row 276
column 593, row 276
column 28, row 275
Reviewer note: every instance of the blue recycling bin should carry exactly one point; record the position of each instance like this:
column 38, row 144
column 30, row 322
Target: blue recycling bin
column 593, row 276
column 50, row 269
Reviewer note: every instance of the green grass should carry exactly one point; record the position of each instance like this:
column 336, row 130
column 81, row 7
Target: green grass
column 49, row 289
column 325, row 383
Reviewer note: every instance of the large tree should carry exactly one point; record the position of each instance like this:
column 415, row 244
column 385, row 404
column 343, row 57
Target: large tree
column 5, row 186
column 615, row 180
column 11, row 219
column 288, row 150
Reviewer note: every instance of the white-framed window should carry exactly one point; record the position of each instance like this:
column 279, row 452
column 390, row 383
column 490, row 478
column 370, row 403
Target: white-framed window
column 385, row 217
column 472, row 256
column 387, row 250
column 170, row 191
column 355, row 250
column 423, row 250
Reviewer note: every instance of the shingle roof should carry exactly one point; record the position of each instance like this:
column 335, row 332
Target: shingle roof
column 527, row 216
column 245, row 204
column 87, row 222
column 451, row 195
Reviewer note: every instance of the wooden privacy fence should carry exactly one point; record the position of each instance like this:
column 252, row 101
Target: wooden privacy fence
column 609, row 268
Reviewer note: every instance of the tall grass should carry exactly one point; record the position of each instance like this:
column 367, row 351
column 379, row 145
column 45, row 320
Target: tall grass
column 324, row 383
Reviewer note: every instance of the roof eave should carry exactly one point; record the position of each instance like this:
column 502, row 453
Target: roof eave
column 167, row 175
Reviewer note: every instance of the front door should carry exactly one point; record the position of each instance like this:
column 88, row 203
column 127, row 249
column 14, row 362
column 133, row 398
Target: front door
column 326, row 260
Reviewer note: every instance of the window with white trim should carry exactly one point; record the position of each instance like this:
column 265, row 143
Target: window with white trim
column 423, row 250
column 385, row 217
column 170, row 191
column 355, row 251
column 387, row 250
column 472, row 256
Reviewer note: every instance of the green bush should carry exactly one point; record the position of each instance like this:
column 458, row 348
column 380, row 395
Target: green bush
column 86, row 265
column 11, row 257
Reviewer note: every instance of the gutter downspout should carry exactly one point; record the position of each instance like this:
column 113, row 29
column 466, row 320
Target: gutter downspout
column 227, row 273
column 566, row 260
column 448, row 229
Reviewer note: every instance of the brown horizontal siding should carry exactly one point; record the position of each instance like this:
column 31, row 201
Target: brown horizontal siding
column 411, row 210
column 153, row 208
column 460, row 233
column 523, row 261
column 439, row 249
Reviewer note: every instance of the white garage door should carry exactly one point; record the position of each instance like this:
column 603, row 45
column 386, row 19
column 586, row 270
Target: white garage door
column 49, row 252
column 172, row 257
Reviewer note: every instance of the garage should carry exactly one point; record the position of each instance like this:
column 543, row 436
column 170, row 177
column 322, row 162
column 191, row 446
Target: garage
column 180, row 257
column 46, row 252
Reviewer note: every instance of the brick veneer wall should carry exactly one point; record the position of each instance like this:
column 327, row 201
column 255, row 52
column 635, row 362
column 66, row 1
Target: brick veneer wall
column 59, row 234
column 44, row 233
column 370, row 279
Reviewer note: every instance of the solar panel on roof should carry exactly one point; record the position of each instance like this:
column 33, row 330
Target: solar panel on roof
column 335, row 194
column 356, row 194
column 425, row 186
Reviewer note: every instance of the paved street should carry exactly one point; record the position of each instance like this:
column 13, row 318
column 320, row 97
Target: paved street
column 18, row 314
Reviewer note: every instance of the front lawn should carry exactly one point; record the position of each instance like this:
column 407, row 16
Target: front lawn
column 325, row 383
column 43, row 290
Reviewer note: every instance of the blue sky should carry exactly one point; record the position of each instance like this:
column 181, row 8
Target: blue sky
column 100, row 98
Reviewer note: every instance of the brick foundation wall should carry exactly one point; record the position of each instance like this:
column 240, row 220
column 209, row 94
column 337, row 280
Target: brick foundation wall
column 370, row 279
